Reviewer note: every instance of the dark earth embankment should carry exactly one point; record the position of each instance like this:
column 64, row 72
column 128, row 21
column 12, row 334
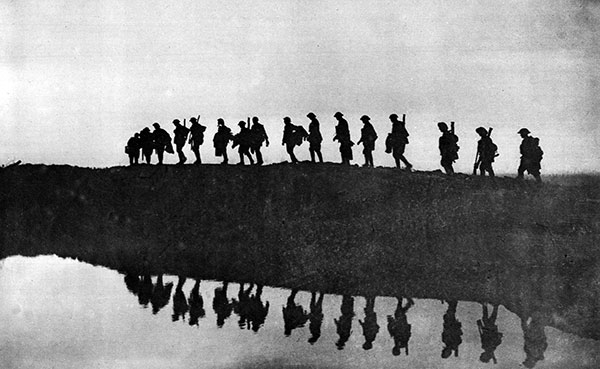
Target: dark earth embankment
column 327, row 227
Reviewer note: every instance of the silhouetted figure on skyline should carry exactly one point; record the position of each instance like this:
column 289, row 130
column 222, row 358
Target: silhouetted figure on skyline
column 221, row 140
column 162, row 142
column 315, row 317
column 448, row 145
column 243, row 140
column 180, row 137
column 314, row 138
column 398, row 326
column 294, row 315
column 180, row 305
column 241, row 306
column 221, row 304
column 370, row 327
column 161, row 294
column 258, row 135
column 534, row 337
column 147, row 144
column 368, row 136
column 257, row 311
column 292, row 136
column 342, row 135
column 133, row 149
column 397, row 140
column 531, row 155
column 145, row 291
column 344, row 323
column 486, row 152
column 196, row 138
column 452, row 334
column 196, row 304
column 488, row 332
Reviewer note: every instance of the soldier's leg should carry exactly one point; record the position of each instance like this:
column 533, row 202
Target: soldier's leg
column 241, row 154
column 311, row 150
column 130, row 159
column 225, row 158
column 319, row 155
column 406, row 163
column 290, row 151
column 196, row 151
column 159, row 153
column 259, row 158
column 521, row 169
column 370, row 158
column 247, row 152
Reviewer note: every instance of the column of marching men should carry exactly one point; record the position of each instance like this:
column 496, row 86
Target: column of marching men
column 252, row 135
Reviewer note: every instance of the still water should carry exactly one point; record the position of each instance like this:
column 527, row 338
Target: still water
column 61, row 313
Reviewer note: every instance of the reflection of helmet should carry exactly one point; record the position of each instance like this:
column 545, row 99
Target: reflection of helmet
column 311, row 115
column 393, row 116
column 442, row 125
column 481, row 131
column 524, row 130
column 338, row 115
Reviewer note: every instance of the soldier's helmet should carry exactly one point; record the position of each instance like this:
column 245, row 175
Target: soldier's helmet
column 220, row 122
column 255, row 119
column 193, row 119
column 393, row 116
column 482, row 131
column 242, row 124
column 365, row 118
column 338, row 115
column 311, row 115
column 442, row 125
column 155, row 125
column 176, row 121
column 524, row 131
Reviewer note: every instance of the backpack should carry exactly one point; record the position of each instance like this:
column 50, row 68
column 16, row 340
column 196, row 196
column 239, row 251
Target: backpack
column 537, row 153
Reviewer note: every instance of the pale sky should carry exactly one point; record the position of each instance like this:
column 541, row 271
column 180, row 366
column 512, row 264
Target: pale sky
column 77, row 79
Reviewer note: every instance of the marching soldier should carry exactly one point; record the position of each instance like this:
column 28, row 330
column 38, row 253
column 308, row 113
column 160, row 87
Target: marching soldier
column 342, row 135
column 397, row 140
column 368, row 136
column 314, row 138
column 531, row 155
column 196, row 138
column 448, row 147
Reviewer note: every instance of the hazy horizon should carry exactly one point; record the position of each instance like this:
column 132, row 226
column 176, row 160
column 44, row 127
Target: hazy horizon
column 78, row 79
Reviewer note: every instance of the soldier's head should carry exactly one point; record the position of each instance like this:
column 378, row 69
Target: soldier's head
column 220, row 122
column 394, row 117
column 311, row 115
column 254, row 119
column 481, row 131
column 193, row 120
column 176, row 122
column 137, row 135
column 365, row 119
column 338, row 115
column 524, row 132
column 242, row 124
column 287, row 120
column 443, row 126
column 156, row 125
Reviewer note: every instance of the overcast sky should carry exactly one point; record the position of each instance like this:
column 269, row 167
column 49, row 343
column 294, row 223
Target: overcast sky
column 77, row 79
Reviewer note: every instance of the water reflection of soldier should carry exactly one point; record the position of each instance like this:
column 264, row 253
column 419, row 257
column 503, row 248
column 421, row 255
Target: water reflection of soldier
column 531, row 155
column 448, row 147
column 486, row 152
column 221, row 304
column 535, row 342
column 399, row 328
column 242, row 306
column 488, row 331
column 315, row 316
column 369, row 326
column 368, row 136
column 257, row 310
column 342, row 135
column 397, row 140
column 196, row 138
column 132, row 282
column 258, row 136
column 196, row 304
column 180, row 137
column 314, row 138
column 161, row 294
column 162, row 142
column 243, row 141
column 147, row 144
column 452, row 334
column 133, row 149
column 294, row 316
column 145, row 291
column 180, row 305
column 221, row 140
column 344, row 323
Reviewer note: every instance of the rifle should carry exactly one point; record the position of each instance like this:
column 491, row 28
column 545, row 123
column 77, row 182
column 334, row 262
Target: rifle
column 452, row 127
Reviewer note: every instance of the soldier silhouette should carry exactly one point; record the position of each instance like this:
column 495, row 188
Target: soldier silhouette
column 368, row 136
column 397, row 140
column 294, row 315
column 314, row 138
column 531, row 155
column 488, row 332
column 242, row 306
column 486, row 152
column 196, row 304
column 369, row 326
column 452, row 333
column 342, row 135
column 258, row 135
column 448, row 147
column 344, row 323
column 221, row 140
column 145, row 290
column 257, row 311
column 292, row 136
column 161, row 294
column 162, row 142
column 534, row 337
column 147, row 144
column 196, row 138
column 315, row 316
column 221, row 304
column 180, row 305
column 180, row 137
column 133, row 149
column 243, row 141
column 398, row 326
